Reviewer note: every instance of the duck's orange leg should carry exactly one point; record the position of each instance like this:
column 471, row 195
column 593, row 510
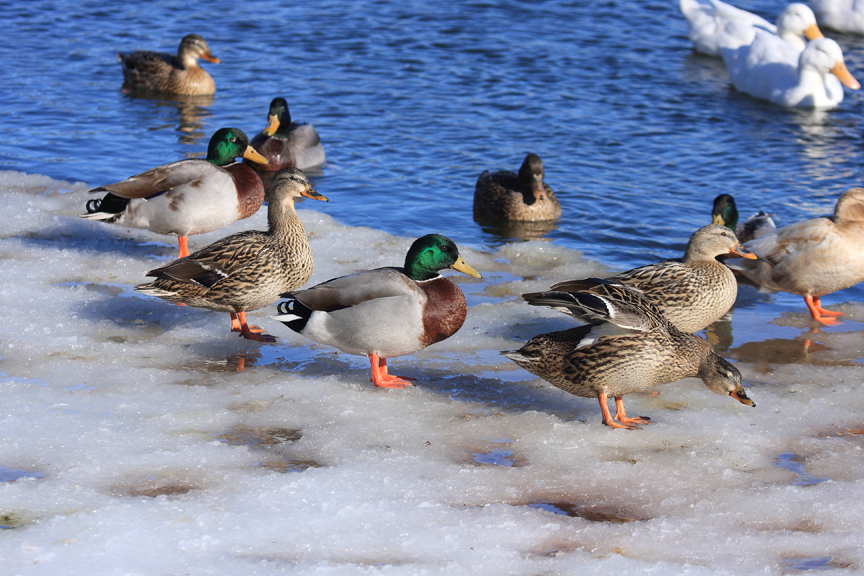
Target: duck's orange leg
column 621, row 415
column 816, row 311
column 607, row 416
column 238, row 324
column 381, row 378
column 184, row 246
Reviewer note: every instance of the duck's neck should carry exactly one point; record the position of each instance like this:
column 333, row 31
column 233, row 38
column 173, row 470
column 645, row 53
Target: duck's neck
column 282, row 220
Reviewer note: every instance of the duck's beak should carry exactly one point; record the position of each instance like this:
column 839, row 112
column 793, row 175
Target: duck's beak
column 461, row 266
column 812, row 32
column 272, row 125
column 718, row 219
column 741, row 396
column 539, row 191
column 840, row 71
column 252, row 154
column 738, row 250
column 311, row 193
column 209, row 57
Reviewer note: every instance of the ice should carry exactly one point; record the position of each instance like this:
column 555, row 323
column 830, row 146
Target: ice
column 133, row 445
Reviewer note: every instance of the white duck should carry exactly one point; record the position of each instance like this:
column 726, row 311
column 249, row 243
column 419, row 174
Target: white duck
column 718, row 25
column 842, row 15
column 772, row 69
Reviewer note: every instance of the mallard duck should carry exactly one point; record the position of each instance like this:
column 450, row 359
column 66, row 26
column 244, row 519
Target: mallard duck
column 814, row 257
column 725, row 213
column 771, row 69
column 628, row 346
column 841, row 15
column 285, row 143
column 510, row 196
column 718, row 25
column 190, row 196
column 169, row 74
column 691, row 293
column 385, row 312
column 247, row 270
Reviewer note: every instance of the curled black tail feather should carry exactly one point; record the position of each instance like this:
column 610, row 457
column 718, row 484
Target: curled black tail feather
column 110, row 204
column 294, row 314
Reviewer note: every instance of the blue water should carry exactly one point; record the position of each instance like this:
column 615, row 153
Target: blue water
column 414, row 99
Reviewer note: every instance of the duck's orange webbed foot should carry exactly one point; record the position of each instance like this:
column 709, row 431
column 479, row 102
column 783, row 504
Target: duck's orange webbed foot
column 238, row 324
column 621, row 414
column 817, row 312
column 381, row 378
column 626, row 424
column 184, row 246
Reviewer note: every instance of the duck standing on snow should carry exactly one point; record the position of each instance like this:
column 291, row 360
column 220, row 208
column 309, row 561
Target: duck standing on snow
column 627, row 346
column 725, row 213
column 169, row 74
column 285, row 143
column 692, row 293
column 771, row 69
column 192, row 196
column 718, row 25
column 247, row 270
column 840, row 15
column 385, row 312
column 510, row 196
column 814, row 257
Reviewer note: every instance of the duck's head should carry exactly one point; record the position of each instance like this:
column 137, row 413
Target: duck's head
column 230, row 143
column 798, row 20
column 850, row 206
column 193, row 47
column 721, row 377
column 432, row 253
column 824, row 55
column 725, row 212
column 531, row 179
column 292, row 183
column 279, row 115
column 713, row 240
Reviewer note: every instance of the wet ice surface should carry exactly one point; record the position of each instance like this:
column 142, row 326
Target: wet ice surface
column 128, row 429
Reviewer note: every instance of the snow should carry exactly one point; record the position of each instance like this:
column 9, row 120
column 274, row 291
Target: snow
column 133, row 445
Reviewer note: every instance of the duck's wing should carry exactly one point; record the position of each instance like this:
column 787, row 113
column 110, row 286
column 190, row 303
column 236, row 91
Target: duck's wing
column 162, row 178
column 347, row 291
column 797, row 237
column 220, row 260
column 729, row 12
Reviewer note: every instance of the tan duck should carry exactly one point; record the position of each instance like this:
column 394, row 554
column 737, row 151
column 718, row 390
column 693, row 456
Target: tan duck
column 814, row 257
column 170, row 74
column 524, row 196
column 385, row 312
column 285, row 143
column 692, row 293
column 247, row 270
column 627, row 346
column 191, row 196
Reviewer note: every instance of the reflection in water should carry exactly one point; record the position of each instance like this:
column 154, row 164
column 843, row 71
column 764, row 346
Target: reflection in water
column 799, row 350
column 506, row 230
column 824, row 141
column 191, row 114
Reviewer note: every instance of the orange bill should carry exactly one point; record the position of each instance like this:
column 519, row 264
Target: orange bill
column 252, row 154
column 840, row 71
column 272, row 125
column 739, row 250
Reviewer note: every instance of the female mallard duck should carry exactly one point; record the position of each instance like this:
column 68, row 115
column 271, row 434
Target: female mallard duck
column 718, row 25
column 169, row 74
column 814, row 257
column 628, row 346
column 771, row 69
column 191, row 196
column 247, row 270
column 285, row 143
column 725, row 213
column 510, row 196
column 691, row 293
column 385, row 312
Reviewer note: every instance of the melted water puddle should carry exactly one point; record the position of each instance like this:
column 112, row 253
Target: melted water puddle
column 795, row 464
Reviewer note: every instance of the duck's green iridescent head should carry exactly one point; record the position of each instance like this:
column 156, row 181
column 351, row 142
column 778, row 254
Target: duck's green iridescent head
column 279, row 118
column 432, row 253
column 230, row 143
column 725, row 212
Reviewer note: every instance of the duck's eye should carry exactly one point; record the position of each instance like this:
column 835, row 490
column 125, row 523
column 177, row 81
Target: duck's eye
column 445, row 248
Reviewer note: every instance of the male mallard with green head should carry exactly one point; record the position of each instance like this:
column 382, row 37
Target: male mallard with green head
column 247, row 270
column 170, row 74
column 385, row 312
column 285, row 143
column 192, row 196
column 725, row 213
column 627, row 346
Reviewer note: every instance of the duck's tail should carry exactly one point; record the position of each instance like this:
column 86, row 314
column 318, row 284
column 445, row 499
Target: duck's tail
column 293, row 313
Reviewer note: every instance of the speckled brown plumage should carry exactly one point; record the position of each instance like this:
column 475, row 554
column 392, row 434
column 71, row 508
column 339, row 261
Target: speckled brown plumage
column 693, row 293
column 169, row 74
column 628, row 346
column 248, row 270
column 524, row 196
